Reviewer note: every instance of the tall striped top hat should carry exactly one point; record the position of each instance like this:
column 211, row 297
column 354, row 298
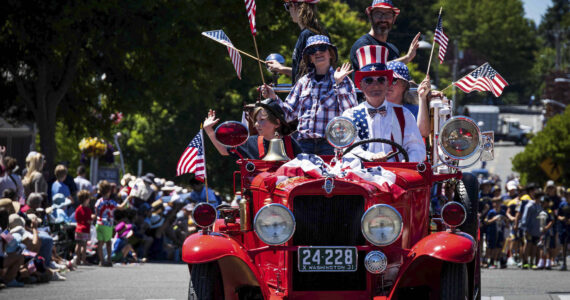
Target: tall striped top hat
column 372, row 62
column 383, row 4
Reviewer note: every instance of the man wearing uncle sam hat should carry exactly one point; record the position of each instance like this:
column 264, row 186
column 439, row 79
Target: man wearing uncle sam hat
column 382, row 14
column 379, row 118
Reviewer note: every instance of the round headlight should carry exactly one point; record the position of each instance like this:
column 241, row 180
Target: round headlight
column 274, row 224
column 381, row 225
column 459, row 137
column 340, row 132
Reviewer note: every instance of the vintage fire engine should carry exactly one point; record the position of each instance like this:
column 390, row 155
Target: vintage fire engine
column 335, row 237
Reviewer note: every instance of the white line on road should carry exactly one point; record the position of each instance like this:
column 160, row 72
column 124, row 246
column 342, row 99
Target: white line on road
column 564, row 297
column 492, row 298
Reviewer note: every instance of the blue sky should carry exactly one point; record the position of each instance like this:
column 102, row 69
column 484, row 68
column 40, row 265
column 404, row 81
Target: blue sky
column 534, row 9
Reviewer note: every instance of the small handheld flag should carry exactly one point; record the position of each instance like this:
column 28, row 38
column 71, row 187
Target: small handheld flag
column 484, row 78
column 192, row 160
column 220, row 37
column 441, row 39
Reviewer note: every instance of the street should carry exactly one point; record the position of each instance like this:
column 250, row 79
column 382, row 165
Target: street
column 170, row 281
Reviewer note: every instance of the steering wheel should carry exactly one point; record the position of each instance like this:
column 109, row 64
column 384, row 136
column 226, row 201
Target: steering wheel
column 399, row 149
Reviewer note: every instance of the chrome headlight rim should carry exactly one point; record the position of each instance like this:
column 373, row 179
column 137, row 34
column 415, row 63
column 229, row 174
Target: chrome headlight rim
column 371, row 209
column 448, row 123
column 333, row 122
column 454, row 203
column 257, row 215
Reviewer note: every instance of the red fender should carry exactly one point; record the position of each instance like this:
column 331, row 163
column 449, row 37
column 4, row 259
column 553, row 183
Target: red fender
column 455, row 247
column 201, row 248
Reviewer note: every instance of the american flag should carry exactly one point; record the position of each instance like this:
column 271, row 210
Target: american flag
column 192, row 160
column 250, row 7
column 441, row 39
column 221, row 37
column 484, row 78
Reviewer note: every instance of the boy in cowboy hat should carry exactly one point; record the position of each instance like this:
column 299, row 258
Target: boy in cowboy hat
column 378, row 118
column 319, row 96
column 382, row 14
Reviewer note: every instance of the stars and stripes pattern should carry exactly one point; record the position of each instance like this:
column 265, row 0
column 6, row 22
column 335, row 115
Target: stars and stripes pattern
column 192, row 160
column 371, row 54
column 221, row 37
column 359, row 119
column 441, row 39
column 484, row 78
column 250, row 8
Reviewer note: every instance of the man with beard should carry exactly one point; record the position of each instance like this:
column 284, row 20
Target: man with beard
column 382, row 15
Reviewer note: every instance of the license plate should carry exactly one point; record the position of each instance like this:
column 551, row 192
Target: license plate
column 327, row 259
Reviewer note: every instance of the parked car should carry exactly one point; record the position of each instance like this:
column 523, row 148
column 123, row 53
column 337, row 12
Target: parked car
column 309, row 229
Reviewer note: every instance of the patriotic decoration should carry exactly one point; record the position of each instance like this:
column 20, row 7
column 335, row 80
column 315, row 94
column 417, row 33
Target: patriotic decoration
column 250, row 8
column 372, row 62
column 484, row 78
column 220, row 37
column 193, row 160
column 383, row 4
column 400, row 69
column 441, row 39
column 312, row 166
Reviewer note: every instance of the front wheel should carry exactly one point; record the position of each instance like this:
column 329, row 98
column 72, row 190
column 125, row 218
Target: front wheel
column 454, row 281
column 205, row 282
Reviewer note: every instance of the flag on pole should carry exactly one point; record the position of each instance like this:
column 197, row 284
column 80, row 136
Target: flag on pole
column 484, row 78
column 221, row 37
column 441, row 39
column 192, row 160
column 250, row 7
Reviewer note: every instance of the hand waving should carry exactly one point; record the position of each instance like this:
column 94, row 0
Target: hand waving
column 413, row 47
column 210, row 121
column 342, row 72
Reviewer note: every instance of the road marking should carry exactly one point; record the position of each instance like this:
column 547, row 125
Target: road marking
column 494, row 298
column 564, row 297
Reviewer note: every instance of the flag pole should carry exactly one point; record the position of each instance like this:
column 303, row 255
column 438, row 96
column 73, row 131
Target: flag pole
column 479, row 67
column 205, row 169
column 433, row 43
column 258, row 60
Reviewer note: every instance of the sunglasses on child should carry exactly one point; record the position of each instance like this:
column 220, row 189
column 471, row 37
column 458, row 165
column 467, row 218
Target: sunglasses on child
column 370, row 79
column 320, row 48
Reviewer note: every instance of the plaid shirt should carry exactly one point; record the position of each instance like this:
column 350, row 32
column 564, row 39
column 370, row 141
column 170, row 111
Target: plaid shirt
column 314, row 103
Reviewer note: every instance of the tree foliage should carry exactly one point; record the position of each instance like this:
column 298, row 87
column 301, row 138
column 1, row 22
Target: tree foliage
column 551, row 142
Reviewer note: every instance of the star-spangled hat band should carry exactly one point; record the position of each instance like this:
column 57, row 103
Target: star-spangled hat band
column 383, row 4
column 372, row 62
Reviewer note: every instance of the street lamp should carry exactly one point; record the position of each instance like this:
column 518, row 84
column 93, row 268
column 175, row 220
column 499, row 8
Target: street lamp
column 116, row 137
column 424, row 45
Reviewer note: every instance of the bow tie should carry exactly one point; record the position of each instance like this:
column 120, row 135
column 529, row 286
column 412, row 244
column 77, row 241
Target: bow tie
column 373, row 111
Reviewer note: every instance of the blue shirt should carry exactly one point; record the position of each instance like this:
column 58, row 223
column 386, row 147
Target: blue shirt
column 413, row 109
column 60, row 187
column 298, row 53
column 201, row 196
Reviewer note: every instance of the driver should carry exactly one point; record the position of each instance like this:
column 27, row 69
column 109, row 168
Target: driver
column 378, row 118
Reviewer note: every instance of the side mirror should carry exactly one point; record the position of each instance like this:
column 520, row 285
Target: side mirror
column 232, row 134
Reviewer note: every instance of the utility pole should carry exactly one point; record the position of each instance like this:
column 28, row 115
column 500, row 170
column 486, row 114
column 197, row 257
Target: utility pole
column 454, row 70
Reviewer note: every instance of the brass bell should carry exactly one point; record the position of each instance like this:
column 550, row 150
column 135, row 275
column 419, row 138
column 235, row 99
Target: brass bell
column 276, row 151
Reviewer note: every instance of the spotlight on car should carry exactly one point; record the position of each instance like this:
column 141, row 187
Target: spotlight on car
column 460, row 137
column 274, row 224
column 340, row 132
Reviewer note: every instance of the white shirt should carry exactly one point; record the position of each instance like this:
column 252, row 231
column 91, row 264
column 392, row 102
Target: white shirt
column 83, row 184
column 387, row 126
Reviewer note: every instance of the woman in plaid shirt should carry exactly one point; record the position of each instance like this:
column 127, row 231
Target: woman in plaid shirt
column 319, row 96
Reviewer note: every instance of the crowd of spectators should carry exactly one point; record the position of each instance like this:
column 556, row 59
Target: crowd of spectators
column 49, row 227
column 524, row 226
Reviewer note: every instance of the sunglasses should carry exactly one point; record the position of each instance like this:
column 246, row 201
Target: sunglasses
column 314, row 49
column 394, row 81
column 369, row 80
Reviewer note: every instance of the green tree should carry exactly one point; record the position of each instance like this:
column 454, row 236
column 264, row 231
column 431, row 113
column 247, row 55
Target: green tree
column 546, row 144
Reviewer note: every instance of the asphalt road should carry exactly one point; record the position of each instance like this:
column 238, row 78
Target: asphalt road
column 170, row 281
column 502, row 164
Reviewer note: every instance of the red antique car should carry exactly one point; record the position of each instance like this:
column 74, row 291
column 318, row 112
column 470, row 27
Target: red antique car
column 329, row 235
